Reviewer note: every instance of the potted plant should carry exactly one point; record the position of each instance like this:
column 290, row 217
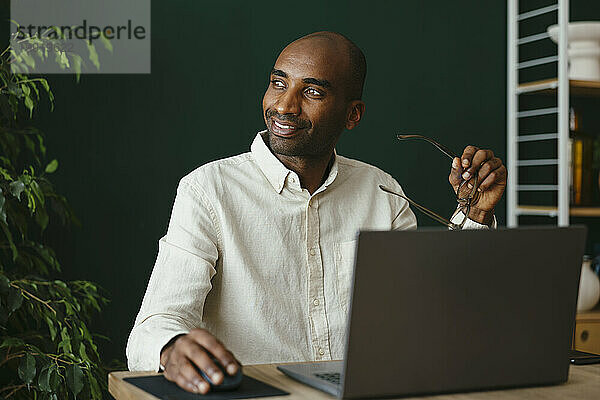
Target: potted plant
column 46, row 348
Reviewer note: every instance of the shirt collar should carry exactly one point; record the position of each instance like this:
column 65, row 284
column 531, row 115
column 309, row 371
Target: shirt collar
column 275, row 171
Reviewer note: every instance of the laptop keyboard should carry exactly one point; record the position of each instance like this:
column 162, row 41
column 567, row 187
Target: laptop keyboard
column 333, row 377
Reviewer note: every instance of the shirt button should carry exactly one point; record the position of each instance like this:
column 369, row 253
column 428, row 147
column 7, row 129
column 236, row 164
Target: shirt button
column 316, row 302
column 293, row 180
column 321, row 352
column 312, row 252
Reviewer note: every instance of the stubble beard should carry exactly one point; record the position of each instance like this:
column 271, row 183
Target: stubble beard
column 299, row 146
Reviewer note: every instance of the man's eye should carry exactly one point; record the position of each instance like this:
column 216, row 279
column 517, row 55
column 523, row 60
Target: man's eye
column 277, row 84
column 314, row 92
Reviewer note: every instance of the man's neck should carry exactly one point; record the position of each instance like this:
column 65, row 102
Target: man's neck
column 311, row 171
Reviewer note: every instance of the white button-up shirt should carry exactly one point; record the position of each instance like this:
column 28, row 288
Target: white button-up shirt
column 261, row 263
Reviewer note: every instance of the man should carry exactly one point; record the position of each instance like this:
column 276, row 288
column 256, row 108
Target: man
column 259, row 249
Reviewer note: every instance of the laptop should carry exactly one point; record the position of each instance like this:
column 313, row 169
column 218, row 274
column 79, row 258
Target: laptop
column 438, row 311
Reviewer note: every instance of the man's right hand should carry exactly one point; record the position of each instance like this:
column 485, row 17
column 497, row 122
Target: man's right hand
column 181, row 359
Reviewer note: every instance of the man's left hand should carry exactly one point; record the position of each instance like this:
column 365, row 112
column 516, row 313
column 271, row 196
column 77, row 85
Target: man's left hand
column 491, row 181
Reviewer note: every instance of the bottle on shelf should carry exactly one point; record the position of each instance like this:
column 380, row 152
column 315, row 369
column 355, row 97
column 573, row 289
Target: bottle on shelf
column 582, row 182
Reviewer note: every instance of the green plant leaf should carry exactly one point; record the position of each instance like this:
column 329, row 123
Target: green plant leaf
column 94, row 387
column 61, row 284
column 69, row 308
column 30, row 61
column 29, row 104
column 51, row 98
column 27, row 368
column 51, row 328
column 26, row 90
column 63, row 60
column 11, row 342
column 41, row 217
column 55, row 380
column 82, row 352
column 41, row 143
column 45, row 85
column 35, row 89
column 25, row 178
column 65, row 343
column 74, row 377
column 106, row 42
column 31, row 204
column 44, row 378
column 4, row 171
column 93, row 55
column 15, row 299
column 52, row 166
column 77, row 61
column 37, row 191
column 16, row 188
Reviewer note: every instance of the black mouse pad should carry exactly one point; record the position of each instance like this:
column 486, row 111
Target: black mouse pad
column 159, row 386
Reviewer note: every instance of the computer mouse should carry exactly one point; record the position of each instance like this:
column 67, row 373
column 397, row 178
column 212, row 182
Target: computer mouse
column 230, row 382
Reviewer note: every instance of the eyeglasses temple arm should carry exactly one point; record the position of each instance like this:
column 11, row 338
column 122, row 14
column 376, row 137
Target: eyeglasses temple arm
column 439, row 146
column 424, row 210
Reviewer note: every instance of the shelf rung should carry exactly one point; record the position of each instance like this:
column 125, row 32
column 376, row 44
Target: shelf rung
column 537, row 86
column 535, row 13
column 533, row 38
column 552, row 211
column 539, row 136
column 530, row 188
column 576, row 87
column 585, row 211
column 539, row 111
column 541, row 161
column 537, row 210
column 537, row 61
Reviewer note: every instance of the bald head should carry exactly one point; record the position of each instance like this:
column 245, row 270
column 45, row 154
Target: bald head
column 337, row 48
column 314, row 93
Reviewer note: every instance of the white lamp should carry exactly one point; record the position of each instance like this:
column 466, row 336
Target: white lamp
column 584, row 49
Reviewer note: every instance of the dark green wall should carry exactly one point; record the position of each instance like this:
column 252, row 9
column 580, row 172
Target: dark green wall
column 124, row 141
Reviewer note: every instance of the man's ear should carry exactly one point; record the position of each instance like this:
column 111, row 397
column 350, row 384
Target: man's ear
column 355, row 113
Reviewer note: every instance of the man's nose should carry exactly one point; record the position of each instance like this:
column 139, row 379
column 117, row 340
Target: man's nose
column 289, row 103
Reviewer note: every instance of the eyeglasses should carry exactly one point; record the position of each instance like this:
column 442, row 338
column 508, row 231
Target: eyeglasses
column 465, row 198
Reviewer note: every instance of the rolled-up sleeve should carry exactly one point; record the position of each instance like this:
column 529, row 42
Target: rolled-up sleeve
column 180, row 280
column 470, row 224
column 405, row 218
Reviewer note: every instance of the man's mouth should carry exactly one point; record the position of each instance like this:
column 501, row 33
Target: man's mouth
column 284, row 129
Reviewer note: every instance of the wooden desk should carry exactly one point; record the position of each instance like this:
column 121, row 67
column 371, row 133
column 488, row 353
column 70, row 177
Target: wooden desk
column 583, row 383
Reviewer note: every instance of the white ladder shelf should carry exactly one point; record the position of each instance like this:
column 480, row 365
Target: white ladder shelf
column 561, row 136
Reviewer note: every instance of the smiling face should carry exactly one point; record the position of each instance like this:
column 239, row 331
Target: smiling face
column 308, row 103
